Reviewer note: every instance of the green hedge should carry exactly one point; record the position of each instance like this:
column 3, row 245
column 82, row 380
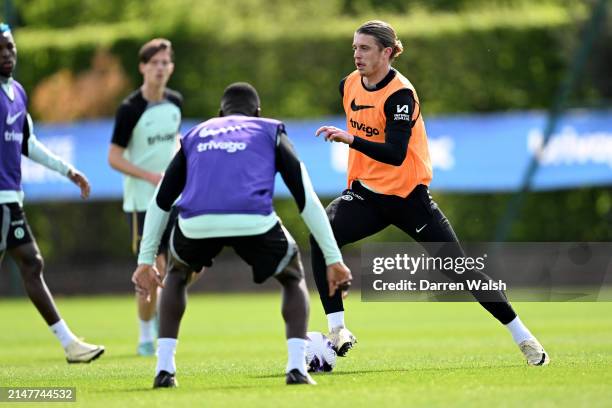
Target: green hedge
column 100, row 231
column 70, row 13
column 458, row 63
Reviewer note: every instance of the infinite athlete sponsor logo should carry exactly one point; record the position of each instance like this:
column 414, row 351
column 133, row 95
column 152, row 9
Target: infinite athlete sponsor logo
column 10, row 119
column 230, row 147
column 161, row 138
column 401, row 116
column 403, row 109
column 403, row 112
column 369, row 131
column 355, row 107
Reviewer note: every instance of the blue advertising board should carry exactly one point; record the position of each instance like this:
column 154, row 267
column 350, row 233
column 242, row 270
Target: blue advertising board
column 470, row 153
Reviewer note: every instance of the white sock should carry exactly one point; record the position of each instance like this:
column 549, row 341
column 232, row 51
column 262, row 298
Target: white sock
column 335, row 320
column 297, row 354
column 63, row 333
column 519, row 331
column 146, row 330
column 166, row 349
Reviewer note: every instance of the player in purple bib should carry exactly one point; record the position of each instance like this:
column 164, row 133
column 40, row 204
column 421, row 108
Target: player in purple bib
column 224, row 174
column 17, row 139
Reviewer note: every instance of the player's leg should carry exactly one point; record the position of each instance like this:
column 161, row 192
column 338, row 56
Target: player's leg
column 353, row 216
column 148, row 310
column 275, row 253
column 172, row 306
column 420, row 217
column 185, row 255
column 30, row 263
column 22, row 247
column 295, row 310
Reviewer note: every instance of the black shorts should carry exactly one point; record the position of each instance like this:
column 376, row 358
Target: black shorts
column 268, row 254
column 136, row 222
column 14, row 228
column 359, row 213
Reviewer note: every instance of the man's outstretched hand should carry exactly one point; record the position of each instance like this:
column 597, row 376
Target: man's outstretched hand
column 80, row 180
column 338, row 278
column 146, row 279
column 334, row 134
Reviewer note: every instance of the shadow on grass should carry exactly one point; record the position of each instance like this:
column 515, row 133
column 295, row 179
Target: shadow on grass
column 401, row 370
column 59, row 357
column 192, row 389
column 281, row 376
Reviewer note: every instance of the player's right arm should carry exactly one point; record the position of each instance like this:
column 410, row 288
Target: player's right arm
column 159, row 208
column 298, row 182
column 394, row 149
column 125, row 121
column 146, row 277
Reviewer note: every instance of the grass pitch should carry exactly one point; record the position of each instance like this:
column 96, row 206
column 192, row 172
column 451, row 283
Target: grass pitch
column 232, row 353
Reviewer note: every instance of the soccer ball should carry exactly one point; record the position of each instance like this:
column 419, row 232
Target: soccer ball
column 320, row 355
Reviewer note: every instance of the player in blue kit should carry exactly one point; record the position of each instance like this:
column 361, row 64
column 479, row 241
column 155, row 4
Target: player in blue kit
column 224, row 174
column 17, row 139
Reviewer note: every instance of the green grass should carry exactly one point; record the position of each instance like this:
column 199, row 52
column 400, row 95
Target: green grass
column 232, row 354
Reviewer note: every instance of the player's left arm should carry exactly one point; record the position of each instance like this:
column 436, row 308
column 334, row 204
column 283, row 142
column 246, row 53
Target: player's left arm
column 158, row 212
column 397, row 131
column 35, row 150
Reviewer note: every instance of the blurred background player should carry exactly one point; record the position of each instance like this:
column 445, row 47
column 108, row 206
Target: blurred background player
column 15, row 235
column 389, row 171
column 225, row 173
column 144, row 141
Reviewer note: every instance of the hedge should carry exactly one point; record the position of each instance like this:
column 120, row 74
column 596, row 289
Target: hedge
column 462, row 63
column 547, row 216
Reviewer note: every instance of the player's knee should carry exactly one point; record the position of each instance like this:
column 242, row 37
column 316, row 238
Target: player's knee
column 32, row 267
column 178, row 274
column 293, row 273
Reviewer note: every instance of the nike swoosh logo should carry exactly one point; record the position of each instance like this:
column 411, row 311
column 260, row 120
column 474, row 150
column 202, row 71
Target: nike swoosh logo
column 11, row 119
column 356, row 107
column 420, row 229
